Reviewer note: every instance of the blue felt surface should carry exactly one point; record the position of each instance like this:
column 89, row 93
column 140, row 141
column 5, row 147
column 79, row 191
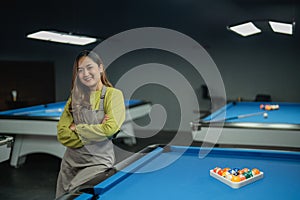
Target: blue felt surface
column 288, row 113
column 188, row 176
column 50, row 110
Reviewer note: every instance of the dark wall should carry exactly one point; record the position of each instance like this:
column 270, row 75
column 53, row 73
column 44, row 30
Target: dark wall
column 248, row 66
column 32, row 82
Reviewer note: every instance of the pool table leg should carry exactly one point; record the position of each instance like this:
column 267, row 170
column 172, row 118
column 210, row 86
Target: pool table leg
column 28, row 144
column 15, row 160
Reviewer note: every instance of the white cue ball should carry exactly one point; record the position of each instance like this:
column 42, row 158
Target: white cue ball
column 265, row 115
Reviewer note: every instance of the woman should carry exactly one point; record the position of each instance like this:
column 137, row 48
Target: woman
column 94, row 113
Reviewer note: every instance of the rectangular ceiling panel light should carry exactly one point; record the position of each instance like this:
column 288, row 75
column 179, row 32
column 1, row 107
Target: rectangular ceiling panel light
column 279, row 27
column 62, row 38
column 245, row 29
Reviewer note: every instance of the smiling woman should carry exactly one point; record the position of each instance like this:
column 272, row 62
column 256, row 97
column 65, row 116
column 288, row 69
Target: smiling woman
column 89, row 72
column 93, row 114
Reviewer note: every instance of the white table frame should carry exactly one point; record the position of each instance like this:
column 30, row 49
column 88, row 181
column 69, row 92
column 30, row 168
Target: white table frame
column 40, row 136
column 253, row 134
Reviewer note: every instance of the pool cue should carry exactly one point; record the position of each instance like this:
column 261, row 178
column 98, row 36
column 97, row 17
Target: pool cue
column 238, row 117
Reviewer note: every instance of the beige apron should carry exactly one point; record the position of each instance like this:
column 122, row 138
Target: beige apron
column 81, row 165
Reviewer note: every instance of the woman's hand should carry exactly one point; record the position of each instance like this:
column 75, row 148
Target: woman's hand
column 72, row 127
column 105, row 119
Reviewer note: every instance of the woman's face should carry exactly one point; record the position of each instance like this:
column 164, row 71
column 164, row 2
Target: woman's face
column 89, row 72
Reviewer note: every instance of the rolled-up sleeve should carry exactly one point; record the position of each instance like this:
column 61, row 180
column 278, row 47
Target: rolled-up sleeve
column 65, row 135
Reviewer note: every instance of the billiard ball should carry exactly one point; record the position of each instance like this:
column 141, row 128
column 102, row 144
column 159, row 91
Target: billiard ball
column 265, row 115
column 243, row 170
column 235, row 178
column 262, row 106
column 217, row 169
column 226, row 169
column 236, row 169
column 242, row 177
column 220, row 172
column 268, row 107
column 233, row 172
column 225, row 173
column 229, row 176
column 255, row 171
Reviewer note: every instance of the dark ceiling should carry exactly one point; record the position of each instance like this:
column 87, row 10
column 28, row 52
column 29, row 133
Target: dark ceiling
column 203, row 20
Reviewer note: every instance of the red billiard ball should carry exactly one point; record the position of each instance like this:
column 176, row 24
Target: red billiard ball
column 220, row 172
column 216, row 169
column 261, row 106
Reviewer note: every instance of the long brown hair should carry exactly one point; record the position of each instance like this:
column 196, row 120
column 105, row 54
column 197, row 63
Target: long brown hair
column 81, row 93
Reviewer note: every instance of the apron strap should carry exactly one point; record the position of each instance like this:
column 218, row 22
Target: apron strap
column 103, row 92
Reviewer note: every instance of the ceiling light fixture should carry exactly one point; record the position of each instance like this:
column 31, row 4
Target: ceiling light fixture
column 245, row 29
column 66, row 38
column 280, row 27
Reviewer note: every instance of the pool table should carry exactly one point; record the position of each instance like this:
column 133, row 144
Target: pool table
column 280, row 129
column 35, row 128
column 178, row 172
